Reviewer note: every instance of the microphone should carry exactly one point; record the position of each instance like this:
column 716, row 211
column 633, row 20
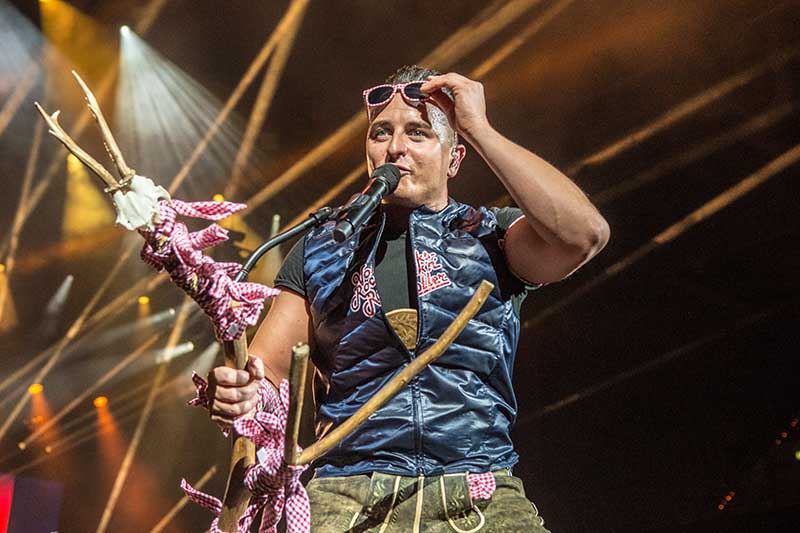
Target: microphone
column 383, row 182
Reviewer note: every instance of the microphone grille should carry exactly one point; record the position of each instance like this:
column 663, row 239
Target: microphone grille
column 389, row 173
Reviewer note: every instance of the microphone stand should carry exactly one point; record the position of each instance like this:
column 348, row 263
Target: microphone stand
column 243, row 454
column 317, row 218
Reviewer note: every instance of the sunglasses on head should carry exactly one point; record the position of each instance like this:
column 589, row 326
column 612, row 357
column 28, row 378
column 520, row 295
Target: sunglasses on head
column 381, row 94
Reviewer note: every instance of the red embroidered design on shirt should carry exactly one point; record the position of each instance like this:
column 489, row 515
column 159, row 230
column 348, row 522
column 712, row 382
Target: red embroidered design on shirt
column 365, row 295
column 428, row 280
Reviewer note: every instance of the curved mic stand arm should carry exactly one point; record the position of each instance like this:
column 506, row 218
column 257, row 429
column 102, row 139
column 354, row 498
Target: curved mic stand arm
column 316, row 218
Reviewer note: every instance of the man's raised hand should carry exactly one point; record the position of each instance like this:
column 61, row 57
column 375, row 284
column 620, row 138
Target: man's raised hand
column 468, row 113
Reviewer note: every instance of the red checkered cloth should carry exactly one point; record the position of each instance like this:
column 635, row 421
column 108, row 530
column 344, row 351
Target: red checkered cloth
column 481, row 486
column 275, row 485
column 170, row 246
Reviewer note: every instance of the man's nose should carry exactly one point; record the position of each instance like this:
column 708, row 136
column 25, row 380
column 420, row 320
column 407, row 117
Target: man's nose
column 397, row 146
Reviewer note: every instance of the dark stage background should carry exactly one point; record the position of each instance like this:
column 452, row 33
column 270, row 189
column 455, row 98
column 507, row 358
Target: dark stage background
column 656, row 381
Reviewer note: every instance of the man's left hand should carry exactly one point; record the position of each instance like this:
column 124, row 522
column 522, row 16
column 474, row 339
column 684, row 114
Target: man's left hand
column 468, row 113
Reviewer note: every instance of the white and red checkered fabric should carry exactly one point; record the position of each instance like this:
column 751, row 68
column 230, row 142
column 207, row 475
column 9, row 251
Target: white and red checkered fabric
column 481, row 486
column 275, row 485
column 171, row 247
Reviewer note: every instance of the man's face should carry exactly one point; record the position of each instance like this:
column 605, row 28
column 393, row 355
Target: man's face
column 402, row 134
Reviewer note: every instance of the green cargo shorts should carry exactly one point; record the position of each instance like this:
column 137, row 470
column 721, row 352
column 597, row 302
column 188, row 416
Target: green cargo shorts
column 384, row 503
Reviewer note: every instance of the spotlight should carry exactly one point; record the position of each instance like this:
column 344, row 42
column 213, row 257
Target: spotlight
column 124, row 30
column 144, row 300
column 21, row 445
column 165, row 354
column 797, row 455
column 35, row 388
column 48, row 449
column 100, row 401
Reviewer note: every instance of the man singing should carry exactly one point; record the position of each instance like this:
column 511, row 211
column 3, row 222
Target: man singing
column 438, row 456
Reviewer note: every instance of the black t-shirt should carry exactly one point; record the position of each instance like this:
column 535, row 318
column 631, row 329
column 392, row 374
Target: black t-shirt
column 399, row 291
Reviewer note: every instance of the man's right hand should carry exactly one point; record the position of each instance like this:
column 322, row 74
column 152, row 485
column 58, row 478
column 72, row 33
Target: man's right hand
column 234, row 393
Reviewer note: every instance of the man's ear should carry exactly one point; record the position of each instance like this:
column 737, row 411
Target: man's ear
column 457, row 154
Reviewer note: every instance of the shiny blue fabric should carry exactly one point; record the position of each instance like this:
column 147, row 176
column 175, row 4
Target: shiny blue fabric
column 456, row 415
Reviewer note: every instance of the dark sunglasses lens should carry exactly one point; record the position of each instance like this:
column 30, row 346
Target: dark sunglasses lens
column 413, row 91
column 378, row 95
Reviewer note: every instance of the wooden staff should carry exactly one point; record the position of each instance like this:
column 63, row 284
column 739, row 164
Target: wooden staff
column 243, row 454
column 297, row 390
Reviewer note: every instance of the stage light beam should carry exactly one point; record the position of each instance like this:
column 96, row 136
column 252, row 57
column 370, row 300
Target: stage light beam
column 86, row 209
column 56, row 303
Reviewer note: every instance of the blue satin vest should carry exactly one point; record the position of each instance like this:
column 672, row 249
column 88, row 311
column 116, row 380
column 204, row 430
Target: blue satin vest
column 456, row 415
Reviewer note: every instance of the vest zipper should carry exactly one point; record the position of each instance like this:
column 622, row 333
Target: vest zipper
column 415, row 394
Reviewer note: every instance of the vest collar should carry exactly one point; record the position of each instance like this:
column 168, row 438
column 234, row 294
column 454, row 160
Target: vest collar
column 446, row 216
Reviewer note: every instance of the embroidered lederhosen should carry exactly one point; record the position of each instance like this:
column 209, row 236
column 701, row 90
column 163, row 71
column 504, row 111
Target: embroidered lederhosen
column 456, row 415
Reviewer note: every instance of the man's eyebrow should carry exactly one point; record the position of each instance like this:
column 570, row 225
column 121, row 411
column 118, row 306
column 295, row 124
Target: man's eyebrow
column 379, row 124
column 418, row 124
column 409, row 125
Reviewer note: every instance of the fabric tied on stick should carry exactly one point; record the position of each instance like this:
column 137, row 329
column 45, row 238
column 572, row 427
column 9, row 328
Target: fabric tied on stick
column 231, row 305
column 275, row 485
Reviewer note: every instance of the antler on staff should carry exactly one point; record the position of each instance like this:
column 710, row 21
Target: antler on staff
column 125, row 172
column 58, row 132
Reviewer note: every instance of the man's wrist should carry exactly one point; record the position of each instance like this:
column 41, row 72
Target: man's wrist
column 478, row 133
